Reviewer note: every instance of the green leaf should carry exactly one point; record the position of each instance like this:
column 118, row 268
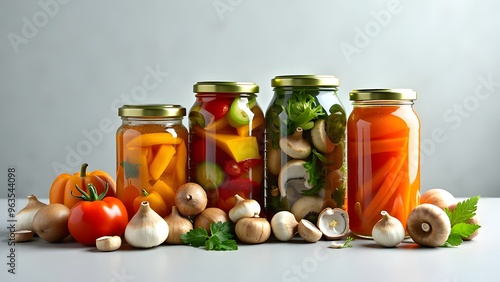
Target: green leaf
column 464, row 210
column 464, row 230
column 219, row 240
column 131, row 171
column 453, row 241
column 195, row 237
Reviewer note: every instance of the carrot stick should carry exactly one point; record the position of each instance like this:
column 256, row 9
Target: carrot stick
column 161, row 160
column 388, row 187
column 150, row 139
column 376, row 180
column 386, row 145
column 180, row 165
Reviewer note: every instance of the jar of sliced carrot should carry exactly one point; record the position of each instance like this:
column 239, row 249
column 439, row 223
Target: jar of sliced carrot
column 383, row 146
column 226, row 146
column 151, row 156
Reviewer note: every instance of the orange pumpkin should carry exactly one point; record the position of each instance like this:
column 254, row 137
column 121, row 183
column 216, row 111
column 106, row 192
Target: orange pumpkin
column 65, row 185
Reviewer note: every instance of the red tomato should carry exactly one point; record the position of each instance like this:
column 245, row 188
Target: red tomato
column 218, row 107
column 203, row 150
column 232, row 168
column 89, row 220
column 248, row 164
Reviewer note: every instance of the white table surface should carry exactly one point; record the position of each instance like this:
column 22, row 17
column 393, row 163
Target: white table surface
column 476, row 260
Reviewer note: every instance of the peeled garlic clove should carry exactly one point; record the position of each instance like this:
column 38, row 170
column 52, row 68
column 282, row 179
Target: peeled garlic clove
column 24, row 218
column 146, row 229
column 108, row 243
column 284, row 225
column 244, row 208
column 388, row 231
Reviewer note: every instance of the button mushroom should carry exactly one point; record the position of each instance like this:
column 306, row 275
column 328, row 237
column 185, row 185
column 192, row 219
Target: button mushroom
column 428, row 225
column 295, row 146
column 293, row 176
column 333, row 223
column 319, row 137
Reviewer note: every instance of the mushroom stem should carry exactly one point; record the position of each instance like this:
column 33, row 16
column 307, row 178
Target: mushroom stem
column 426, row 227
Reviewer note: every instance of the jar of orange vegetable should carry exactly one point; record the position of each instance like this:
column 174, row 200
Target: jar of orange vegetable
column 226, row 142
column 383, row 161
column 151, row 156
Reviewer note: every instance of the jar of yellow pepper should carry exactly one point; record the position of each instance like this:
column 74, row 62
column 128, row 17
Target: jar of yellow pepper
column 151, row 156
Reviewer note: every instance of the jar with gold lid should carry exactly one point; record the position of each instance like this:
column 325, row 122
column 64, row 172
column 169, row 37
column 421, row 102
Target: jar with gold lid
column 383, row 133
column 151, row 155
column 226, row 144
column 305, row 146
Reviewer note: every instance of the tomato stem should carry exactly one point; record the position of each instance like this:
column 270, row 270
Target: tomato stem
column 92, row 195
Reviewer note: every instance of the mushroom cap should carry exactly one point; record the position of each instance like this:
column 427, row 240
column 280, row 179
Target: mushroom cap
column 308, row 231
column 333, row 223
column 320, row 139
column 428, row 225
column 293, row 175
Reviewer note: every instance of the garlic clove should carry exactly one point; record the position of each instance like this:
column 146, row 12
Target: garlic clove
column 243, row 208
column 177, row 225
column 22, row 235
column 146, row 229
column 108, row 243
column 253, row 230
column 284, row 225
column 24, row 218
column 388, row 231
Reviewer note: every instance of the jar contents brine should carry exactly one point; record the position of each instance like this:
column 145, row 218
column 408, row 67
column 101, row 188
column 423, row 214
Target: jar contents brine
column 151, row 156
column 305, row 146
column 383, row 157
column 226, row 145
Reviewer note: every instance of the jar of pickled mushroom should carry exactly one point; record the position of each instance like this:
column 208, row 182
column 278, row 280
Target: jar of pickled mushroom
column 305, row 146
column 151, row 156
column 226, row 144
column 383, row 161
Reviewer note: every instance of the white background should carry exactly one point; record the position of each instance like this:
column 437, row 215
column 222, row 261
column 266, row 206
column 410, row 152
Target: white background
column 66, row 66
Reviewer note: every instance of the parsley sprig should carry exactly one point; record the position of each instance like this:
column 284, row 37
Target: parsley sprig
column 459, row 219
column 219, row 240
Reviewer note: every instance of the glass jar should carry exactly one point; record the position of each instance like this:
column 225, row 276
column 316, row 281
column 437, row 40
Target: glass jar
column 151, row 156
column 383, row 162
column 305, row 146
column 226, row 144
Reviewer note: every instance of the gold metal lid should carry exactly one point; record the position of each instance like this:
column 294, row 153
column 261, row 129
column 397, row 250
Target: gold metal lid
column 152, row 110
column 382, row 94
column 225, row 87
column 305, row 80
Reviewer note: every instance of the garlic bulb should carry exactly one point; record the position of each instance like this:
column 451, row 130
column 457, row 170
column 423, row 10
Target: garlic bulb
column 146, row 229
column 177, row 226
column 388, row 231
column 244, row 208
column 25, row 216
